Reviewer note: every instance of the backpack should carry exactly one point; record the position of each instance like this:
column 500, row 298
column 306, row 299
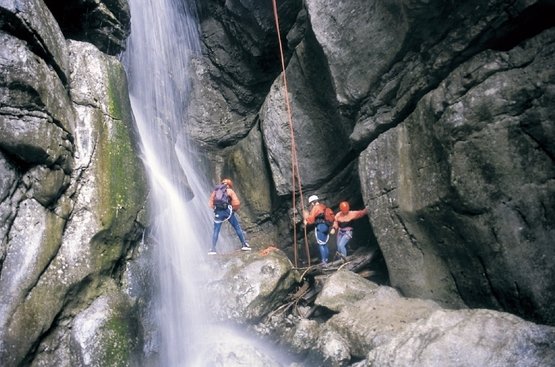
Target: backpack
column 326, row 216
column 221, row 200
column 329, row 217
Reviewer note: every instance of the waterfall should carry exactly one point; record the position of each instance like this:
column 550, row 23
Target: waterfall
column 163, row 40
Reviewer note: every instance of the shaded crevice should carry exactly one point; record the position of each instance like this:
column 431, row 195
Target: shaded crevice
column 492, row 290
column 541, row 145
column 532, row 21
column 69, row 16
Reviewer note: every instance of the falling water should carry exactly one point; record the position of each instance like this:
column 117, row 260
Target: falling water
column 163, row 40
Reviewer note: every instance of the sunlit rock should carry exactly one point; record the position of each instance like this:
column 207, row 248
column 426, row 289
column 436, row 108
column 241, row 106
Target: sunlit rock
column 468, row 338
column 377, row 318
column 343, row 288
column 103, row 333
column 248, row 286
column 33, row 22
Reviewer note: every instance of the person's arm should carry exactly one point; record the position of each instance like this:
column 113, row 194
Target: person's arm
column 211, row 200
column 356, row 214
column 335, row 225
column 234, row 199
column 335, row 222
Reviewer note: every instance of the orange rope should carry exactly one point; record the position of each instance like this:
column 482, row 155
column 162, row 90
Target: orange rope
column 295, row 174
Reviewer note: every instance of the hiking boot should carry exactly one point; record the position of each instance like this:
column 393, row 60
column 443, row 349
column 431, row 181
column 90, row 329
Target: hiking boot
column 246, row 247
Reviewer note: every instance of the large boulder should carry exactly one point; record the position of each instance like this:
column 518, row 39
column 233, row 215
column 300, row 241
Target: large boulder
column 247, row 287
column 462, row 205
column 468, row 338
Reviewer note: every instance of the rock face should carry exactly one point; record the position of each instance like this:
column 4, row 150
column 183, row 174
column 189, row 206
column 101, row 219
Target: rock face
column 436, row 116
column 71, row 193
column 106, row 24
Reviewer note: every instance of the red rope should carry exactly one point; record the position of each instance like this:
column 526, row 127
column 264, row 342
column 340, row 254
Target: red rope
column 295, row 173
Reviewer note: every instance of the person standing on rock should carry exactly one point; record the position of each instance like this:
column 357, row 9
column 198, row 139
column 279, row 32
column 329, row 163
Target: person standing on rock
column 343, row 225
column 322, row 217
column 225, row 203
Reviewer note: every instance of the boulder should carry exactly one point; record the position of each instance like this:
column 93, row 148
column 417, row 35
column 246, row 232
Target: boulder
column 343, row 288
column 246, row 287
column 467, row 338
column 377, row 318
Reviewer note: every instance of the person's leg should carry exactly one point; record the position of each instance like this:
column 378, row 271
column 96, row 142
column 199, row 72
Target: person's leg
column 322, row 249
column 322, row 237
column 215, row 234
column 324, row 253
column 322, row 233
column 342, row 240
column 341, row 243
column 235, row 224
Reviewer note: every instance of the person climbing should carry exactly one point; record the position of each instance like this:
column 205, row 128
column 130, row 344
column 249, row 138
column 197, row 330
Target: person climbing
column 322, row 217
column 343, row 225
column 225, row 203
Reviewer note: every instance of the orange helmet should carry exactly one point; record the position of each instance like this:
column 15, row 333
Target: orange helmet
column 344, row 207
column 228, row 182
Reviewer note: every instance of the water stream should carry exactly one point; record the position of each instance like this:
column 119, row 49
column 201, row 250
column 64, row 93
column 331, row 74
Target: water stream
column 164, row 38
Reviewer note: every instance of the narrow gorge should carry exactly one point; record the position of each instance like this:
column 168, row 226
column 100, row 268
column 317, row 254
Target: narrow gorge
column 437, row 116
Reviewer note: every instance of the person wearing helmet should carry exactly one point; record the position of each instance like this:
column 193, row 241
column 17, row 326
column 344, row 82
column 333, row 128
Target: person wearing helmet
column 316, row 216
column 225, row 203
column 343, row 225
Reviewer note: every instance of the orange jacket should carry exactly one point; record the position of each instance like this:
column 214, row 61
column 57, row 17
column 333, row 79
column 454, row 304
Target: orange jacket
column 235, row 202
column 350, row 216
column 316, row 210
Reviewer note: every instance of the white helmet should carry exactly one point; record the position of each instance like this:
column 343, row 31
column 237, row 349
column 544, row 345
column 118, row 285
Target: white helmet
column 312, row 198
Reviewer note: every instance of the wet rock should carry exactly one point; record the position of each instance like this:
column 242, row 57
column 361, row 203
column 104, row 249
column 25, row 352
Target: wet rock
column 334, row 348
column 248, row 286
column 55, row 256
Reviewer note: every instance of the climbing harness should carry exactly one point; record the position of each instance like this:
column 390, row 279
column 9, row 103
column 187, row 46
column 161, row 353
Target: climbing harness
column 295, row 174
column 219, row 220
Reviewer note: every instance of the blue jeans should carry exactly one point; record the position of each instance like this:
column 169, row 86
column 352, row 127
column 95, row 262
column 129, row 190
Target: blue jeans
column 324, row 252
column 219, row 216
column 322, row 236
column 343, row 237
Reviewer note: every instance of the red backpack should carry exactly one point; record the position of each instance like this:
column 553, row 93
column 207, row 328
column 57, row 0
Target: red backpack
column 329, row 217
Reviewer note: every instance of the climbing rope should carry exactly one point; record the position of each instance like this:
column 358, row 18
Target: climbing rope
column 295, row 174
